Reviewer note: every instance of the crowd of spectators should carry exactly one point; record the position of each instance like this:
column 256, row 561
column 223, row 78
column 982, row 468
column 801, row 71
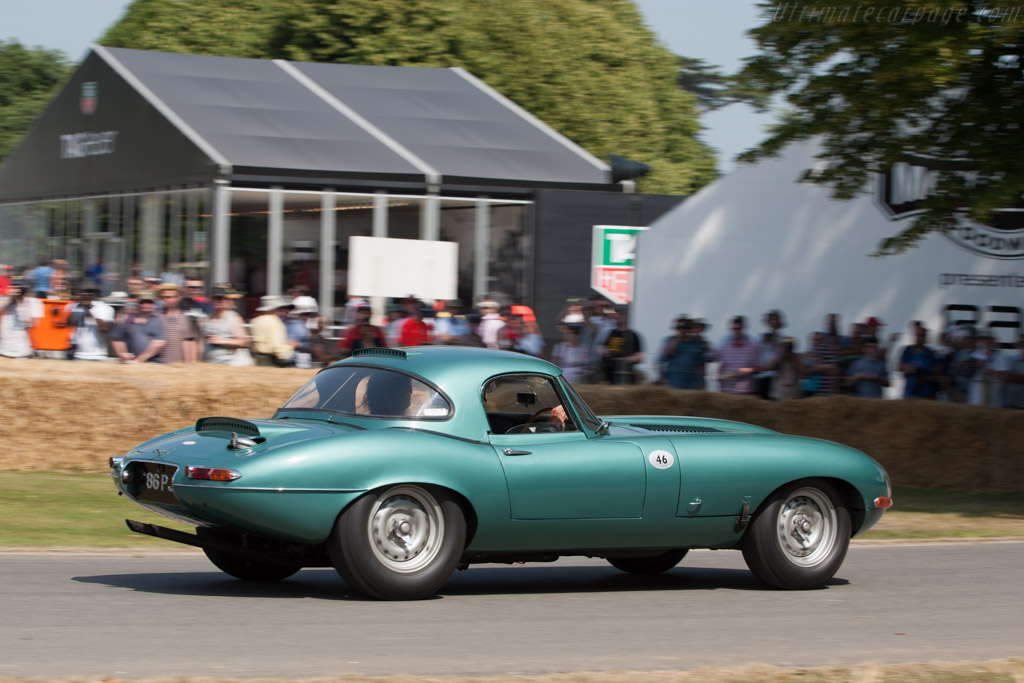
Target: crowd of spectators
column 967, row 367
column 166, row 322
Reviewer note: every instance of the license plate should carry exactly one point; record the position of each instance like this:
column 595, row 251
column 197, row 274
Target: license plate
column 155, row 479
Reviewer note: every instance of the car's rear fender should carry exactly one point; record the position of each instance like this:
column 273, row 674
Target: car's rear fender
column 373, row 460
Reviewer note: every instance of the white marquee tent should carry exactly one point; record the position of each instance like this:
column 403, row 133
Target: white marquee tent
column 760, row 239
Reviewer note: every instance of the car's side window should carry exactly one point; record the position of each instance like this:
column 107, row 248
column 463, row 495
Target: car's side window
column 525, row 404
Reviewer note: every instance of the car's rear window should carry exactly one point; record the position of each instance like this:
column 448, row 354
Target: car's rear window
column 370, row 392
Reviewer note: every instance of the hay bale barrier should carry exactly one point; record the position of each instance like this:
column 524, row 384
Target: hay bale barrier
column 63, row 416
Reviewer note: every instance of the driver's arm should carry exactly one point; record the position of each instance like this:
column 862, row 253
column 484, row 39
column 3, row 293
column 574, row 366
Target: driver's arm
column 559, row 417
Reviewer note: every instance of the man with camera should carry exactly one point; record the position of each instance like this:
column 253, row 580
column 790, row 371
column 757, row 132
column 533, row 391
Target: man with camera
column 684, row 356
column 91, row 320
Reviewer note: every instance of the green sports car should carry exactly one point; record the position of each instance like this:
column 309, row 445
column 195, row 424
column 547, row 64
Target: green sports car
column 398, row 466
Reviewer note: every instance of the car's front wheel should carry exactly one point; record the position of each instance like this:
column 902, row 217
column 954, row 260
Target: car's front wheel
column 800, row 538
column 242, row 566
column 652, row 564
column 400, row 543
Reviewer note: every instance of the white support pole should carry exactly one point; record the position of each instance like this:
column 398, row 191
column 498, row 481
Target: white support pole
column 221, row 238
column 380, row 214
column 430, row 218
column 481, row 252
column 378, row 308
column 328, row 239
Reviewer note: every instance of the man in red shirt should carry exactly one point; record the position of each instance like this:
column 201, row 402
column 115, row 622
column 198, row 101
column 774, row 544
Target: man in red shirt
column 415, row 332
column 361, row 333
column 5, row 279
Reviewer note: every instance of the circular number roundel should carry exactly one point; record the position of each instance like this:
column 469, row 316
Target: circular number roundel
column 661, row 459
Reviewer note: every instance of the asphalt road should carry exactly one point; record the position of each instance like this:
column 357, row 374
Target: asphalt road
column 132, row 616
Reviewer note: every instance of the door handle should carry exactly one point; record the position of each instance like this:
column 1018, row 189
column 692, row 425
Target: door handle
column 509, row 451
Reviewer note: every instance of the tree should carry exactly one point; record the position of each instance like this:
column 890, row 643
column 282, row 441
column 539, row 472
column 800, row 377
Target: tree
column 879, row 83
column 714, row 89
column 588, row 68
column 29, row 78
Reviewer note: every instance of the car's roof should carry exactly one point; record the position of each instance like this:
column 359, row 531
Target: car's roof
column 439, row 363
column 459, row 372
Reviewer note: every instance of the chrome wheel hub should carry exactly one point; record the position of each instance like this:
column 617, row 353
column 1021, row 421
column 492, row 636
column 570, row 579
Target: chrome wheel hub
column 406, row 527
column 806, row 528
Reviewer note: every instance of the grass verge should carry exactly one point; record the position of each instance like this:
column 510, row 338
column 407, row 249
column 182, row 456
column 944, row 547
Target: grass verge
column 46, row 510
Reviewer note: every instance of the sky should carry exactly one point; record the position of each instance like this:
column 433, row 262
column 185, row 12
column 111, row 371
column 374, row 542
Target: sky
column 712, row 30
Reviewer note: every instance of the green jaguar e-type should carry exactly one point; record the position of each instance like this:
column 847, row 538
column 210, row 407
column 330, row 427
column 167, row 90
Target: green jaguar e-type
column 398, row 466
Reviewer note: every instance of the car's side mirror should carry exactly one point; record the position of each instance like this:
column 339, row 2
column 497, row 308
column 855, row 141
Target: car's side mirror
column 602, row 428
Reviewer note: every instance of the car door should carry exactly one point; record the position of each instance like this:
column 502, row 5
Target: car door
column 570, row 476
column 565, row 475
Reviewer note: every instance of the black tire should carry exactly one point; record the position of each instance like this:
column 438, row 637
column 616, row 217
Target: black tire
column 654, row 564
column 799, row 539
column 243, row 567
column 399, row 543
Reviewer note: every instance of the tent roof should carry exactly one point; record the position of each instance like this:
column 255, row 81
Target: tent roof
column 259, row 118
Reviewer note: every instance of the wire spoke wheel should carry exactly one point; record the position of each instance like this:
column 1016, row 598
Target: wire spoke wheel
column 399, row 543
column 406, row 529
column 806, row 527
column 799, row 538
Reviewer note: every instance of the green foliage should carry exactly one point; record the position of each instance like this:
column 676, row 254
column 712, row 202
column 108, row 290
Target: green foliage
column 714, row 89
column 29, row 78
column 588, row 68
column 880, row 83
column 239, row 28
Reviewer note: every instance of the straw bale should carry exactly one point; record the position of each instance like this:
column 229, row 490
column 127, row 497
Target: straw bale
column 72, row 416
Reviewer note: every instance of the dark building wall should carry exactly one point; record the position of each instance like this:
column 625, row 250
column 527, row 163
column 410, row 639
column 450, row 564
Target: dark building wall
column 123, row 144
column 562, row 242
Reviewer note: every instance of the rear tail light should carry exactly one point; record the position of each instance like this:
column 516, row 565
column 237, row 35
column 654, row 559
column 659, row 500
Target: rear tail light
column 883, row 502
column 210, row 473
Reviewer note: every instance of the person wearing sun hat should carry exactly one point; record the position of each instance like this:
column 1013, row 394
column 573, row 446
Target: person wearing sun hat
column 270, row 345
column 299, row 326
column 491, row 322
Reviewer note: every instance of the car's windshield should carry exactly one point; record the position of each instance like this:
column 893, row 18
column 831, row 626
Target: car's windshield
column 370, row 392
column 586, row 414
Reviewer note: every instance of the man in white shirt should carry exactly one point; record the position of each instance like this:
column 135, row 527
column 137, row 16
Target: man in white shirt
column 490, row 323
column 91, row 319
column 19, row 313
column 991, row 368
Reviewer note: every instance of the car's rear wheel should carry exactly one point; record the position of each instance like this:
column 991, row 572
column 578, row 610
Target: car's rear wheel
column 653, row 564
column 800, row 538
column 241, row 566
column 399, row 543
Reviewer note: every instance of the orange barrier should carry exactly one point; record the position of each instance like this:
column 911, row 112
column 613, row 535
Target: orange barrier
column 51, row 333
